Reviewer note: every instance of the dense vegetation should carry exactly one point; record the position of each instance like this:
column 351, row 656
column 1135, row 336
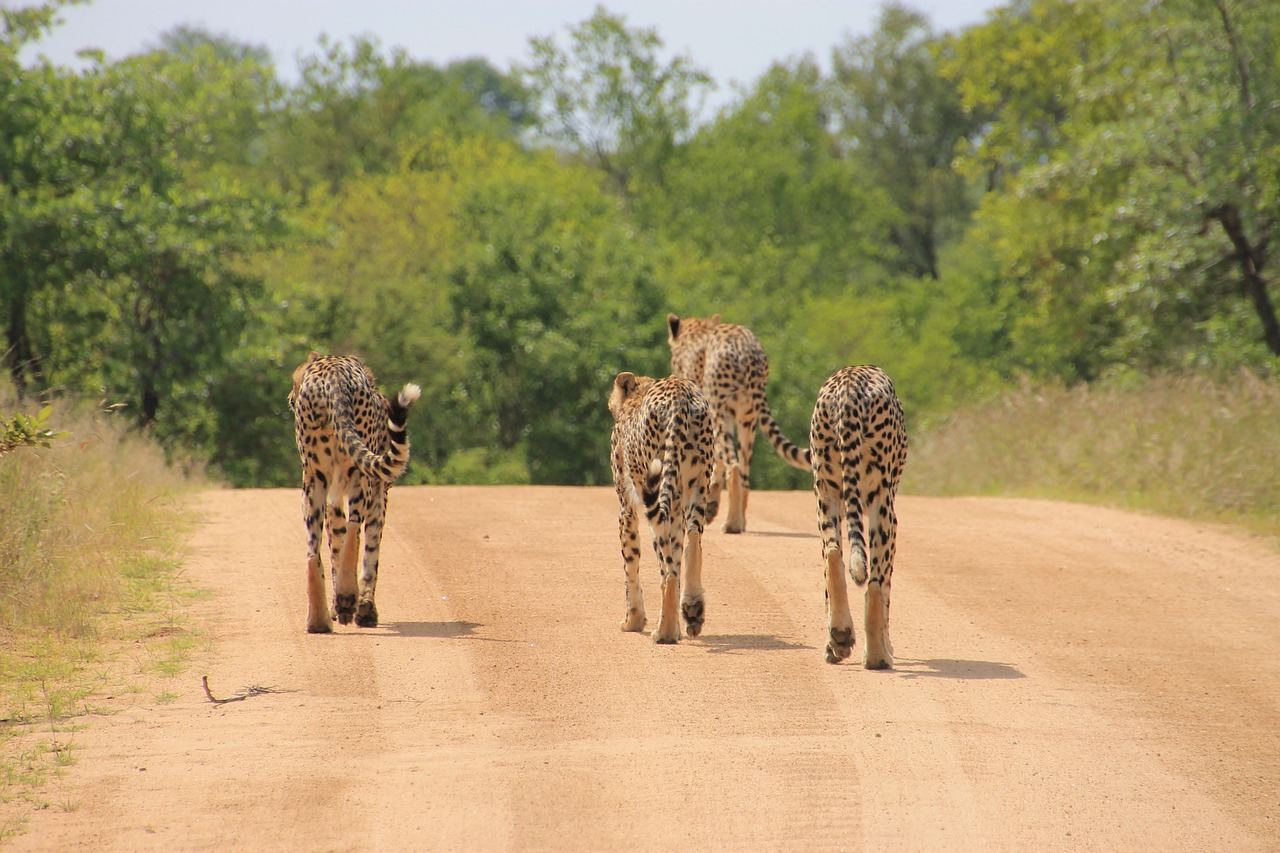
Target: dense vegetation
column 1068, row 192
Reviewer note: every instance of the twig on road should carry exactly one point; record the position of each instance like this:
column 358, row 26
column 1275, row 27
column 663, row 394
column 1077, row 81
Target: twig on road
column 238, row 697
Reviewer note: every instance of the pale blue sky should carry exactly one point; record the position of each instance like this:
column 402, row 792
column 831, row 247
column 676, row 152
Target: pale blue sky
column 735, row 41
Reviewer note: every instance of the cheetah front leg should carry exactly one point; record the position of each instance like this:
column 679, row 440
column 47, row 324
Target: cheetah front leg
column 840, row 636
column 313, row 497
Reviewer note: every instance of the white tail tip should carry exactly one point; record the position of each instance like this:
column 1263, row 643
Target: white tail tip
column 409, row 393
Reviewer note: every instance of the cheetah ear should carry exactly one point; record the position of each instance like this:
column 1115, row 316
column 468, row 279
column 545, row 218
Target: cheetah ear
column 312, row 356
column 673, row 326
column 715, row 319
column 624, row 383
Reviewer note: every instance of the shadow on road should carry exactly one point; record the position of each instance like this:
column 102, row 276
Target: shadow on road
column 441, row 630
column 726, row 644
column 781, row 534
column 950, row 668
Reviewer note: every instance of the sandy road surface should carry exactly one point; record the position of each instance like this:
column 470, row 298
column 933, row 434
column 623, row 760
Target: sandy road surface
column 1068, row 678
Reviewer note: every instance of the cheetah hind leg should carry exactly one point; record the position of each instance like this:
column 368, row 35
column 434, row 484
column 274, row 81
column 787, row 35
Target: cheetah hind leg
column 839, row 618
column 318, row 616
column 692, row 600
column 366, row 613
column 668, row 630
column 736, row 520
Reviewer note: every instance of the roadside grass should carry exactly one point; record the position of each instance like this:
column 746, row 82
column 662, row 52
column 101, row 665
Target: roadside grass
column 91, row 593
column 1189, row 446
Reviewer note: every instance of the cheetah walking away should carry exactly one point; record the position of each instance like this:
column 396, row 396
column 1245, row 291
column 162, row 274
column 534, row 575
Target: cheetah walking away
column 858, row 441
column 661, row 455
column 730, row 366
column 353, row 445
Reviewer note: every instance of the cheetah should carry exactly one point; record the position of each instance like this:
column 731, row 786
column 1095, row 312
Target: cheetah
column 730, row 366
column 858, row 442
column 352, row 443
column 661, row 454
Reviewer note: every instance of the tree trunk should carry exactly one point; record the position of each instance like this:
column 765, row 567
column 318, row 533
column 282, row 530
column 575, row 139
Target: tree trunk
column 150, row 403
column 18, row 354
column 1255, row 286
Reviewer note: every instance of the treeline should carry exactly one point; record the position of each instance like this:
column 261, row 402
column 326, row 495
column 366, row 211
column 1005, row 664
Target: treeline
column 1068, row 191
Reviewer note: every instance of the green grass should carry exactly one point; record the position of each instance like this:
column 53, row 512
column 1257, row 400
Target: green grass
column 88, row 569
column 1189, row 446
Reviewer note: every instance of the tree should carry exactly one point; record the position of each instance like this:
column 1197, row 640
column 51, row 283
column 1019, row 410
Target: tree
column 556, row 299
column 610, row 99
column 1135, row 221
column 41, row 169
column 188, row 41
column 904, row 122
column 766, row 195
column 357, row 111
column 150, row 293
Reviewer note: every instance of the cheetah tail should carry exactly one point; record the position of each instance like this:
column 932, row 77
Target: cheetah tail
column 855, row 523
column 796, row 457
column 400, row 406
column 387, row 466
column 661, row 481
column 652, row 485
column 397, row 456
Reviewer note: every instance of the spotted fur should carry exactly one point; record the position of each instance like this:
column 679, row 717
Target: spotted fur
column 661, row 455
column 353, row 446
column 858, row 441
column 730, row 367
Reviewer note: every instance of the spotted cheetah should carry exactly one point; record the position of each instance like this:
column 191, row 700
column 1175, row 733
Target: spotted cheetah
column 353, row 445
column 730, row 366
column 661, row 454
column 858, row 442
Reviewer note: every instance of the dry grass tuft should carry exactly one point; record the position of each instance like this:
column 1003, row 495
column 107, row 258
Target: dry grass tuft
column 1187, row 446
column 88, row 559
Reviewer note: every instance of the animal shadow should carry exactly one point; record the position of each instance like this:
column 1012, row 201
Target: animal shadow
column 729, row 644
column 782, row 534
column 439, row 630
column 965, row 670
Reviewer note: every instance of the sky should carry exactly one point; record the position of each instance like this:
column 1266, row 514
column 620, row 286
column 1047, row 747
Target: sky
column 735, row 40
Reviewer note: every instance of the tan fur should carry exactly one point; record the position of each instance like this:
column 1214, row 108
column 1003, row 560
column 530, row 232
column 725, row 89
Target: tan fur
column 352, row 443
column 858, row 442
column 661, row 458
column 732, row 370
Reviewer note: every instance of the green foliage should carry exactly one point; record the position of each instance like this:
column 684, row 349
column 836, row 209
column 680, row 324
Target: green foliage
column 1070, row 191
column 122, row 226
column 357, row 112
column 549, row 291
column 26, row 431
column 612, row 100
column 507, row 286
column 903, row 122
column 1134, row 196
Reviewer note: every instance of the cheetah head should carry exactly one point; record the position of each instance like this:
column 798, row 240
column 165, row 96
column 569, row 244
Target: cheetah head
column 688, row 347
column 626, row 386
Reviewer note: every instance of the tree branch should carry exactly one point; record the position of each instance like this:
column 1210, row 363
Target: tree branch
column 1246, row 97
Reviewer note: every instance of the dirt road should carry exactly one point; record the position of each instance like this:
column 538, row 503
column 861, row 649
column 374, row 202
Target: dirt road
column 1068, row 678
